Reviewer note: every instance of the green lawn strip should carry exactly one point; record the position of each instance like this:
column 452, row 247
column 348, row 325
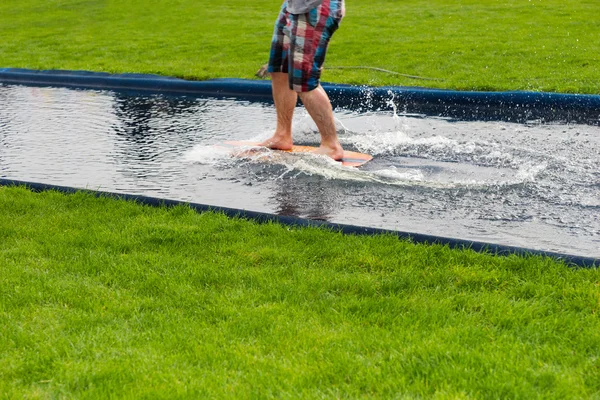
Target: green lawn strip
column 106, row 298
column 539, row 45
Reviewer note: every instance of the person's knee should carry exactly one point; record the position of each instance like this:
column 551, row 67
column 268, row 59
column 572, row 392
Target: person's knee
column 310, row 92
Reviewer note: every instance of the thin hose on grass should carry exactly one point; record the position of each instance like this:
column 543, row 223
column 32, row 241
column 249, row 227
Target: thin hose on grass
column 387, row 71
column 263, row 73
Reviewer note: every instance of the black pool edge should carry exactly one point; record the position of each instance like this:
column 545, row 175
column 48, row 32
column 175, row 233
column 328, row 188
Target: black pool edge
column 490, row 248
column 514, row 106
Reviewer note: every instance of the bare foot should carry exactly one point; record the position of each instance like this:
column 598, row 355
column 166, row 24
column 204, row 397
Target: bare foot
column 278, row 142
column 336, row 152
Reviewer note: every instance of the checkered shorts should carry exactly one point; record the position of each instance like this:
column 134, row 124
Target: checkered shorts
column 300, row 42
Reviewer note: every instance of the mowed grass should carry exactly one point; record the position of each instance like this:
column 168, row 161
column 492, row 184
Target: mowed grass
column 103, row 298
column 540, row 45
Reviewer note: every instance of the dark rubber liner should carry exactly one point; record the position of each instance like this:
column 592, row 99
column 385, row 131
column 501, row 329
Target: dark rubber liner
column 301, row 222
column 505, row 106
column 514, row 106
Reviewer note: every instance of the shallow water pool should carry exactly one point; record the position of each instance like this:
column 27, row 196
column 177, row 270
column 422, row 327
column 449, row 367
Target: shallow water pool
column 530, row 185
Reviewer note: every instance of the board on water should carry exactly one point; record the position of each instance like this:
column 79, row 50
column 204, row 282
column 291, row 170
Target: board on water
column 350, row 159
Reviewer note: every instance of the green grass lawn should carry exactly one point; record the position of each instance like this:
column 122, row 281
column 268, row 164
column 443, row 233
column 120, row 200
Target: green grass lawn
column 102, row 298
column 548, row 45
column 105, row 298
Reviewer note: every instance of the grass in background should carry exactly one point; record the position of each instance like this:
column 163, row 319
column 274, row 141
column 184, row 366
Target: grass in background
column 548, row 45
column 104, row 298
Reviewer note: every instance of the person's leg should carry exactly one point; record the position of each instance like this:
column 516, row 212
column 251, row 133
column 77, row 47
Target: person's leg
column 285, row 102
column 284, row 97
column 311, row 33
column 319, row 107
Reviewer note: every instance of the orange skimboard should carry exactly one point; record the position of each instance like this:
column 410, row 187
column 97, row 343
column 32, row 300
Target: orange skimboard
column 350, row 159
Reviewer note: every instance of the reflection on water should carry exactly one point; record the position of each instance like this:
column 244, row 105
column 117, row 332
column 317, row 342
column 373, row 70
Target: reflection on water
column 147, row 132
column 529, row 185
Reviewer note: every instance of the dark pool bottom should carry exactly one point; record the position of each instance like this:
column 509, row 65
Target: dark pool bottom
column 529, row 185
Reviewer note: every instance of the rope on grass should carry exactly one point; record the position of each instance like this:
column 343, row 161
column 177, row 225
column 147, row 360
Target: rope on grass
column 263, row 73
column 387, row 71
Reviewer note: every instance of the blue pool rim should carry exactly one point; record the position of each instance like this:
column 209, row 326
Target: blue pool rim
column 417, row 238
column 512, row 106
column 508, row 106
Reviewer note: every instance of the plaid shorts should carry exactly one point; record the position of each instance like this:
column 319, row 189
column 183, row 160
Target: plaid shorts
column 300, row 42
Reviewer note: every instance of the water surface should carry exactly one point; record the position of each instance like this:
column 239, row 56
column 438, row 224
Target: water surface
column 531, row 185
